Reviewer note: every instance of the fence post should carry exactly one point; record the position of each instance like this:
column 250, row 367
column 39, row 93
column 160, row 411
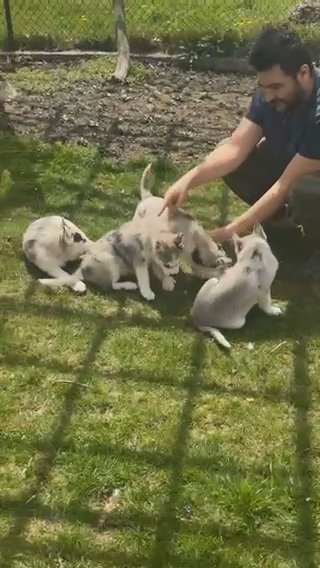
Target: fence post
column 10, row 35
column 122, row 41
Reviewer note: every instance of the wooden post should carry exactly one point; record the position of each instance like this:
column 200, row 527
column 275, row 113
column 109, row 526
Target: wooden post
column 10, row 36
column 7, row 91
column 122, row 68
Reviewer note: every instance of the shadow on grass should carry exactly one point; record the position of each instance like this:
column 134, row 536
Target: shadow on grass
column 174, row 309
column 165, row 527
column 169, row 522
column 14, row 540
column 177, row 322
column 142, row 522
column 24, row 164
column 18, row 175
column 306, row 524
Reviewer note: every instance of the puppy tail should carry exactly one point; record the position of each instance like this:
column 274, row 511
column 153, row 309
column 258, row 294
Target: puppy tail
column 144, row 191
column 217, row 335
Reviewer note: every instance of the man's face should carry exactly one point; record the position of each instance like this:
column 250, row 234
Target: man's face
column 281, row 90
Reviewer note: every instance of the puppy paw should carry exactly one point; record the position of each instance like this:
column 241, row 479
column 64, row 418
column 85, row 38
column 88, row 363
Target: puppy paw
column 168, row 283
column 275, row 311
column 79, row 287
column 148, row 295
column 129, row 286
column 44, row 281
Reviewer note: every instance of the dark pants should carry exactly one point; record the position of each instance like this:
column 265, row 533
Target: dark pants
column 260, row 171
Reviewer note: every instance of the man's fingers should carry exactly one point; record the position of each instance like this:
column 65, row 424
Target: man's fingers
column 181, row 199
column 165, row 205
column 171, row 200
column 217, row 235
column 213, row 236
column 168, row 200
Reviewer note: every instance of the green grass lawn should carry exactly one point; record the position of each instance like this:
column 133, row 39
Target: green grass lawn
column 49, row 81
column 68, row 21
column 215, row 456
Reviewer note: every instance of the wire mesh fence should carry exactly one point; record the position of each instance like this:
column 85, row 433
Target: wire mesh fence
column 88, row 24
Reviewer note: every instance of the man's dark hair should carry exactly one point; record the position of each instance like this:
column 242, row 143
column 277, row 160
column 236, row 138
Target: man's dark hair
column 279, row 46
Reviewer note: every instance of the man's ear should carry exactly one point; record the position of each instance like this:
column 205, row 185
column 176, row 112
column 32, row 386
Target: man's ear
column 237, row 243
column 258, row 230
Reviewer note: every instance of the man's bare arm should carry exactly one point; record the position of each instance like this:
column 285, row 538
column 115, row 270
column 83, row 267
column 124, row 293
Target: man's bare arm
column 272, row 199
column 223, row 160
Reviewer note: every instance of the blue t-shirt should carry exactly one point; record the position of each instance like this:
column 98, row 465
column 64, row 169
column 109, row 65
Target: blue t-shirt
column 288, row 133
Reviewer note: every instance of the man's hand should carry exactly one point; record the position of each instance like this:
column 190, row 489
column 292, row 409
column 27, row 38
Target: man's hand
column 176, row 195
column 223, row 160
column 276, row 195
column 222, row 234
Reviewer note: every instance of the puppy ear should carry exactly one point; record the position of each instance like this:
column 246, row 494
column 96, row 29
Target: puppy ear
column 78, row 238
column 63, row 226
column 66, row 234
column 237, row 243
column 258, row 230
column 159, row 246
column 178, row 240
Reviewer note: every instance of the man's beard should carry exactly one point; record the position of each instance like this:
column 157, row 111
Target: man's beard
column 281, row 105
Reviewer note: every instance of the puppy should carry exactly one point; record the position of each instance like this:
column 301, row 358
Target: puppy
column 128, row 250
column 49, row 243
column 225, row 303
column 133, row 250
column 203, row 255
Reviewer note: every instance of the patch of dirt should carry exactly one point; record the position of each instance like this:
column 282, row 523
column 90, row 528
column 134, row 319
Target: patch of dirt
column 174, row 113
column 305, row 13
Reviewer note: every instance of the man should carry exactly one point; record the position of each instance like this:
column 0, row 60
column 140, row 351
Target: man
column 272, row 159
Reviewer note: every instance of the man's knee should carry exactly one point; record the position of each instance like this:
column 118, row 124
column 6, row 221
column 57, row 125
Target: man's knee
column 304, row 203
column 305, row 195
column 254, row 176
column 309, row 184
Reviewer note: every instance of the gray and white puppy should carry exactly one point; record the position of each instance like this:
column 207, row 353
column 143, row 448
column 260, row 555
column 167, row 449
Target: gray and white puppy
column 225, row 303
column 133, row 250
column 49, row 243
column 203, row 255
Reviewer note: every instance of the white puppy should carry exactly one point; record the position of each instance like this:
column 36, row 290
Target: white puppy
column 225, row 303
column 203, row 255
column 51, row 242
